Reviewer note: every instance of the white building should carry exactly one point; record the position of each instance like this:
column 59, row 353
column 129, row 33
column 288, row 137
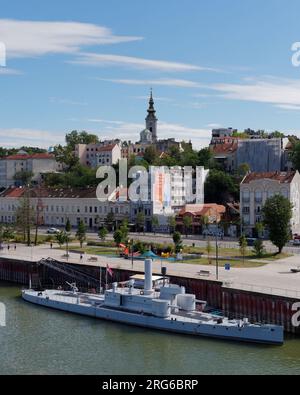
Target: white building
column 100, row 154
column 256, row 188
column 37, row 164
column 55, row 206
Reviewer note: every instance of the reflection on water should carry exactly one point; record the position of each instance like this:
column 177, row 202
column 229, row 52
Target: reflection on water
column 41, row 341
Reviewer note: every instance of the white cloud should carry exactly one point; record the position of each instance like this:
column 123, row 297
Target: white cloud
column 67, row 101
column 288, row 107
column 7, row 71
column 282, row 92
column 16, row 137
column 35, row 38
column 177, row 83
column 93, row 59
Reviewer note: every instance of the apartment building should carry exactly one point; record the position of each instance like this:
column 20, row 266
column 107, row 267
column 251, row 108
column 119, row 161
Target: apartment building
column 256, row 188
column 106, row 153
column 37, row 164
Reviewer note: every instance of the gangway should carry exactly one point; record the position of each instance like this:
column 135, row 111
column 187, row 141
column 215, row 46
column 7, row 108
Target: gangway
column 68, row 270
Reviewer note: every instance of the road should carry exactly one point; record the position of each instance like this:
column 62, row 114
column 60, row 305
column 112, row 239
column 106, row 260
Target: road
column 199, row 241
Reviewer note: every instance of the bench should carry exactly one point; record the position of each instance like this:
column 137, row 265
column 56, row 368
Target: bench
column 93, row 259
column 204, row 273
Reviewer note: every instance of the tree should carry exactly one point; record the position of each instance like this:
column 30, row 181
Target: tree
column 140, row 221
column 259, row 229
column 118, row 237
column 23, row 177
column 295, row 155
column 220, row 187
column 204, row 222
column 102, row 233
column 81, row 233
column 172, row 224
column 68, row 229
column 25, row 217
column 110, row 220
column 277, row 215
column 177, row 241
column 150, row 155
column 61, row 237
column 243, row 246
column 205, row 158
column 155, row 223
column 187, row 222
column 259, row 248
column 6, row 234
column 209, row 250
column 243, row 169
column 124, row 230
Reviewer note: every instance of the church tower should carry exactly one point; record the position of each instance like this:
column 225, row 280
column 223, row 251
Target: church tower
column 151, row 120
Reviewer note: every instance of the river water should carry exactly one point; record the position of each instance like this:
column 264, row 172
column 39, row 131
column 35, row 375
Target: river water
column 40, row 341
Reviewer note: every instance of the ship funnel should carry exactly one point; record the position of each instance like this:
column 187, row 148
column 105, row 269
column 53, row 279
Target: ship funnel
column 148, row 277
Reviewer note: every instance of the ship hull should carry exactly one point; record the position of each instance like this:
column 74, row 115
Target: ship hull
column 255, row 334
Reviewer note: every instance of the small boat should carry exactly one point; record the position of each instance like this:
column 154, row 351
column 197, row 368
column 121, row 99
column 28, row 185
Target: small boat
column 168, row 309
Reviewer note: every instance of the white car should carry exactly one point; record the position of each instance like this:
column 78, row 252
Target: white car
column 53, row 231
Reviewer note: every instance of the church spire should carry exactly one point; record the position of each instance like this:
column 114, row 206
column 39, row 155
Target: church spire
column 151, row 108
column 151, row 120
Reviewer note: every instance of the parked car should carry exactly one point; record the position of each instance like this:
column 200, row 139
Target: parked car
column 53, row 231
column 296, row 243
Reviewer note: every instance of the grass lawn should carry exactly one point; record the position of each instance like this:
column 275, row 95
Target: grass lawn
column 234, row 264
column 235, row 253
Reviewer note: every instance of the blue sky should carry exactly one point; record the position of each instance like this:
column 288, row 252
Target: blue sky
column 89, row 65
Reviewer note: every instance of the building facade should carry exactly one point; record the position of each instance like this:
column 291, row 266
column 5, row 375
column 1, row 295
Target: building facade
column 256, row 188
column 56, row 206
column 106, row 153
column 37, row 164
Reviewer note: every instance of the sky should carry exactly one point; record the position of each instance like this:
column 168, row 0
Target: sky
column 89, row 65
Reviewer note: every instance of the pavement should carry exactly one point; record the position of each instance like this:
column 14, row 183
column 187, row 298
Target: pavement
column 275, row 278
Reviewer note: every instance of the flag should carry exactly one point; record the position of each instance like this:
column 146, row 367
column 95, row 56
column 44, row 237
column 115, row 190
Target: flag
column 109, row 270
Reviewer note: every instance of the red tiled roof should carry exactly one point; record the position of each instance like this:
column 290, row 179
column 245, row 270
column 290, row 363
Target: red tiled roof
column 106, row 148
column 33, row 156
column 282, row 177
column 202, row 209
column 226, row 148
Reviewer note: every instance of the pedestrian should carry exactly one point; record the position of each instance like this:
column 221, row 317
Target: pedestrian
column 15, row 247
column 51, row 245
column 8, row 247
column 81, row 257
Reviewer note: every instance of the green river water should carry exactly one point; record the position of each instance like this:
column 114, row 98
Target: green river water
column 40, row 341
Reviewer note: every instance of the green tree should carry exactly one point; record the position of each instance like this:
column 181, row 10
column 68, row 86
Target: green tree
column 23, row 177
column 110, row 220
column 187, row 222
column 243, row 169
column 103, row 232
column 140, row 221
column 25, row 217
column 124, row 230
column 6, row 234
column 259, row 229
column 243, row 246
column 68, row 229
column 259, row 248
column 177, row 241
column 277, row 215
column 209, row 250
column 155, row 223
column 118, row 237
column 205, row 158
column 61, row 238
column 295, row 155
column 151, row 155
column 171, row 224
column 220, row 187
column 81, row 233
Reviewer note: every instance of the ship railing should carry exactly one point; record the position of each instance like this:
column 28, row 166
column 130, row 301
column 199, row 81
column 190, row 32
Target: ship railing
column 289, row 293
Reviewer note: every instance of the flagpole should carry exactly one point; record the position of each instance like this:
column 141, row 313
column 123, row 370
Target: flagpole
column 106, row 279
column 100, row 279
